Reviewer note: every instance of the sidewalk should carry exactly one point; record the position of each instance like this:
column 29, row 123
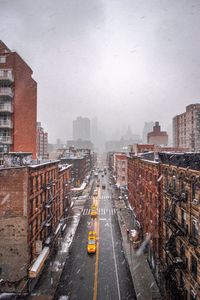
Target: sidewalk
column 50, row 277
column 144, row 283
column 47, row 284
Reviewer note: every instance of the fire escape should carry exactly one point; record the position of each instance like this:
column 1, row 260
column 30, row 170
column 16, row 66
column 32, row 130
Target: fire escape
column 48, row 222
column 174, row 259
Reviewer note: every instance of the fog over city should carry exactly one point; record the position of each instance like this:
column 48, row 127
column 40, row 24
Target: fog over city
column 122, row 61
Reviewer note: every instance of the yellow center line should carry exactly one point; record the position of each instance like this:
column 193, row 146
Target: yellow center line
column 97, row 253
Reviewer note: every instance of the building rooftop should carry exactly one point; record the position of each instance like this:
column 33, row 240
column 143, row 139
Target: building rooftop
column 189, row 160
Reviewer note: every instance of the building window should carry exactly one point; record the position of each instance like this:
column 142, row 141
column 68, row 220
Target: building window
column 36, row 183
column 31, row 207
column 194, row 267
column 2, row 59
column 183, row 218
column 31, row 230
column 150, row 177
column 194, row 229
column 193, row 295
column 36, row 203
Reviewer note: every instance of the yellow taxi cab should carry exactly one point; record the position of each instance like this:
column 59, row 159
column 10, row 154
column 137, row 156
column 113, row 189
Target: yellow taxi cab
column 91, row 245
column 93, row 211
column 91, row 234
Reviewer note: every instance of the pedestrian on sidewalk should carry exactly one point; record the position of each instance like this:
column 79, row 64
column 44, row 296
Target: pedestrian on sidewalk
column 127, row 231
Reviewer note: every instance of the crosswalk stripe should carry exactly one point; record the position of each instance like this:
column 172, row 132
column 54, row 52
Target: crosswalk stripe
column 101, row 211
column 105, row 197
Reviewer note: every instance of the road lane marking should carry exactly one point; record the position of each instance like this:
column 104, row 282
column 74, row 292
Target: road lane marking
column 101, row 211
column 97, row 257
column 116, row 273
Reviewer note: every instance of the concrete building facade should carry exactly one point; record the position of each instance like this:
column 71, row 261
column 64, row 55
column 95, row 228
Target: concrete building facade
column 148, row 127
column 186, row 128
column 18, row 104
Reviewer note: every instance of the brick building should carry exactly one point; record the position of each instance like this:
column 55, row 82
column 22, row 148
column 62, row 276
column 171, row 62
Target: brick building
column 82, row 161
column 42, row 142
column 120, row 169
column 145, row 199
column 181, row 209
column 18, row 104
column 186, row 128
column 157, row 136
column 142, row 148
column 33, row 200
column 110, row 161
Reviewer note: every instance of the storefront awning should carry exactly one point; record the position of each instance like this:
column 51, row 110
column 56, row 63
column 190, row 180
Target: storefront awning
column 81, row 188
column 38, row 264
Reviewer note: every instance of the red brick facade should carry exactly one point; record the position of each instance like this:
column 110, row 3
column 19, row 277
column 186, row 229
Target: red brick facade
column 181, row 211
column 33, row 201
column 145, row 198
column 120, row 169
column 157, row 136
column 20, row 94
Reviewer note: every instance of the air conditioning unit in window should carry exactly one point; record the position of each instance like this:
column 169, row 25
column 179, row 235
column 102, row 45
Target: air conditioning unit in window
column 194, row 293
column 195, row 201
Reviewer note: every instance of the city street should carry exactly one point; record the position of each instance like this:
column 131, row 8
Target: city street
column 104, row 275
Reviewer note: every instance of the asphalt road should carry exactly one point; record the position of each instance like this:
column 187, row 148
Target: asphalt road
column 104, row 275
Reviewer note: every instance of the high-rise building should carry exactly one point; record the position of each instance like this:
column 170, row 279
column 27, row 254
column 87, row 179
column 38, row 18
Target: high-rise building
column 157, row 137
column 81, row 129
column 42, row 142
column 186, row 128
column 94, row 130
column 18, row 104
column 148, row 127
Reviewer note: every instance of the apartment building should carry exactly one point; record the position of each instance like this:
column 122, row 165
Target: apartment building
column 186, row 128
column 82, row 161
column 110, row 161
column 144, row 148
column 18, row 104
column 120, row 169
column 157, row 137
column 181, row 210
column 34, row 199
column 42, row 142
column 145, row 198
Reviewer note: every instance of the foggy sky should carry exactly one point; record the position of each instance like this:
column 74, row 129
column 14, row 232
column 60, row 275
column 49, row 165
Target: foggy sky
column 124, row 61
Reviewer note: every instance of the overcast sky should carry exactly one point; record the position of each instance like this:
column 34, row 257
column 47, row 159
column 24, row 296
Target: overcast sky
column 124, row 61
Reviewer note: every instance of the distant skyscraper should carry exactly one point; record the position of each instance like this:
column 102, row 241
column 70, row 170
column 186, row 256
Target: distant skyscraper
column 148, row 127
column 186, row 128
column 81, row 129
column 94, row 130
